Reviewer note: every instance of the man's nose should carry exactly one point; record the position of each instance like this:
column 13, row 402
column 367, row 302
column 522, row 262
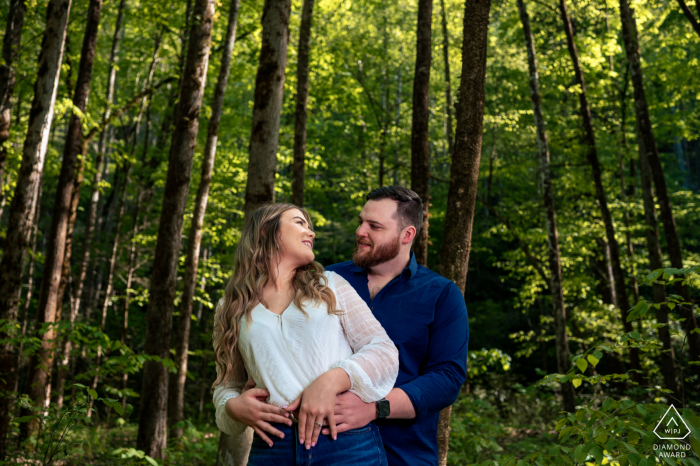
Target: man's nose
column 361, row 230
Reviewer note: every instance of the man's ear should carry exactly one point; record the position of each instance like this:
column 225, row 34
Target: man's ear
column 408, row 235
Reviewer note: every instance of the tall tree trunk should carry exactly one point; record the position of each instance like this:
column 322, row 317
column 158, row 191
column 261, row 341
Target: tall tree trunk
column 99, row 162
column 233, row 451
column 448, row 84
column 461, row 197
column 269, row 90
column 152, row 435
column 49, row 309
column 28, row 179
column 177, row 384
column 592, row 155
column 668, row 365
column 689, row 14
column 10, row 50
column 301, row 104
column 648, row 143
column 555, row 277
column 420, row 144
column 110, row 274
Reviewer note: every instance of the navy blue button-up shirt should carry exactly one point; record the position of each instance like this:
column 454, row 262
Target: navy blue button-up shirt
column 426, row 317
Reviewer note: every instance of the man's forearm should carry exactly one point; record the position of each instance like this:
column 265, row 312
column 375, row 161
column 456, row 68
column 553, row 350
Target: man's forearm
column 401, row 406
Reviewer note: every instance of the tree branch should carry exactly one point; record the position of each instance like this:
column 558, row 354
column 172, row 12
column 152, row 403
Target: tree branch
column 689, row 14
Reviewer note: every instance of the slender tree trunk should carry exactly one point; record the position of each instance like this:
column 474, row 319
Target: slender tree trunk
column 177, row 386
column 10, row 49
column 110, row 275
column 648, row 143
column 301, row 104
column 592, row 155
column 689, row 14
column 420, row 146
column 555, row 282
column 269, row 90
column 448, row 84
column 668, row 365
column 152, row 435
column 49, row 309
column 99, row 162
column 397, row 122
column 233, row 451
column 461, row 198
column 28, row 179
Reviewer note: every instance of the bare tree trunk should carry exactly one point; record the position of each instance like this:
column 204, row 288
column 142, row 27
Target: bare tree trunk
column 269, row 90
column 648, row 144
column 668, row 365
column 10, row 50
column 555, row 282
column 99, row 162
column 301, row 104
column 49, row 309
column 689, row 14
column 233, row 451
column 420, row 147
column 448, row 84
column 592, row 155
column 461, row 198
column 29, row 177
column 152, row 435
column 110, row 275
column 177, row 383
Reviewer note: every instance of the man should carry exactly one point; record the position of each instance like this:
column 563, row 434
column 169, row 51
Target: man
column 423, row 313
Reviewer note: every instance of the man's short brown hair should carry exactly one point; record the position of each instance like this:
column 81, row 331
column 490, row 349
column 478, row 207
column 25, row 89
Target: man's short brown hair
column 409, row 210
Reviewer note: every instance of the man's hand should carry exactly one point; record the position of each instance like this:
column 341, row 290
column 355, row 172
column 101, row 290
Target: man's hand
column 351, row 412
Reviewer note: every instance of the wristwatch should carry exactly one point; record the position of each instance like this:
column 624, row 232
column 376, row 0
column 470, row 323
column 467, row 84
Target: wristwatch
column 383, row 408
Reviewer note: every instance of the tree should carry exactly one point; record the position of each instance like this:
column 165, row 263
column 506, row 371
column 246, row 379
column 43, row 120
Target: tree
column 301, row 103
column 176, row 404
column 49, row 309
column 448, row 84
column 649, row 150
column 267, row 106
column 10, row 49
column 152, row 434
column 461, row 197
column 26, row 191
column 555, row 278
column 420, row 144
column 592, row 156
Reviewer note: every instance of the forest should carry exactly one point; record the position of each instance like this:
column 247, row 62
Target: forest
column 555, row 145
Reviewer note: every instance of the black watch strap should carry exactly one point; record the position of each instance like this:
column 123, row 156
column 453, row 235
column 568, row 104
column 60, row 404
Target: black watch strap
column 383, row 408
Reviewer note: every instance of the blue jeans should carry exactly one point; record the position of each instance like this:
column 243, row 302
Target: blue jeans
column 356, row 447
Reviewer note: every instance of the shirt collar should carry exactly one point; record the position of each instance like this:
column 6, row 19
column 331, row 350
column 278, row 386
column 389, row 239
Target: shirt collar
column 408, row 272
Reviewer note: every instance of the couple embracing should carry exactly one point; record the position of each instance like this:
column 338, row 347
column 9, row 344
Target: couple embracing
column 348, row 365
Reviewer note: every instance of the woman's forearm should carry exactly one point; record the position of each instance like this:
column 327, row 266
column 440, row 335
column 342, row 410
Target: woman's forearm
column 337, row 379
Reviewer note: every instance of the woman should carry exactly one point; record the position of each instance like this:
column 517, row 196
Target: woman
column 303, row 335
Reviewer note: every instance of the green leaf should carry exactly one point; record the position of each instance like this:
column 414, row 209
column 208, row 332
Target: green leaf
column 118, row 408
column 24, row 418
column 654, row 275
column 593, row 360
column 582, row 365
column 635, row 335
column 576, row 383
column 79, row 385
column 598, row 355
column 92, row 393
column 580, row 454
column 633, row 438
column 597, row 453
column 151, row 460
column 623, row 460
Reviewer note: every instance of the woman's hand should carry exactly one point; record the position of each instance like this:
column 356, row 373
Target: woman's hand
column 250, row 409
column 317, row 402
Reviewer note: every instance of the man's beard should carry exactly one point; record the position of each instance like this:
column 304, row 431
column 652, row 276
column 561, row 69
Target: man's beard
column 373, row 258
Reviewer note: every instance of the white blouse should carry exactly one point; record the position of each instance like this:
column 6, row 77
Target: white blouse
column 286, row 353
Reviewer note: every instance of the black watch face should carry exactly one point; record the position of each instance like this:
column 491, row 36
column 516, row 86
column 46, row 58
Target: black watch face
column 383, row 409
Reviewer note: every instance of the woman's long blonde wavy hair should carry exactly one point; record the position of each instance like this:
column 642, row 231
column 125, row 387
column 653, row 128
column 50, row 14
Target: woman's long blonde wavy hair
column 257, row 251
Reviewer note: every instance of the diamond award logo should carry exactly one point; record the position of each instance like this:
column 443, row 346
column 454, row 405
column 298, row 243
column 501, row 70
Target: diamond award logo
column 672, row 426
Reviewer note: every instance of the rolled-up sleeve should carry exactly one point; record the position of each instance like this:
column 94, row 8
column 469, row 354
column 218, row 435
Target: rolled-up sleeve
column 446, row 366
column 374, row 366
